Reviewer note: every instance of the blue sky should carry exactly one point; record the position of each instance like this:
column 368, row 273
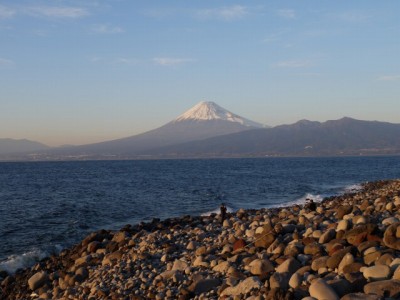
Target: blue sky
column 75, row 72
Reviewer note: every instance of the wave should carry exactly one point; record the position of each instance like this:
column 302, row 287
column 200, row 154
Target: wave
column 27, row 259
column 217, row 211
column 299, row 201
column 352, row 188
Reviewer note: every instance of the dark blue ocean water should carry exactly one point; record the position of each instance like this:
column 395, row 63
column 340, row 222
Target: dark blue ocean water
column 45, row 206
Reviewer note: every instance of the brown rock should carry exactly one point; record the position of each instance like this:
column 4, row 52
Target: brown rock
column 365, row 245
column 37, row 280
column 320, row 262
column 308, row 240
column 390, row 238
column 343, row 210
column 279, row 294
column 313, row 249
column 279, row 280
column 358, row 234
column 334, row 261
column 264, row 240
column 206, row 285
column 239, row 244
column 261, row 267
column 370, row 258
column 329, row 235
column 334, row 248
column 357, row 281
column 384, row 288
column 320, row 290
column 340, row 286
column 385, row 259
column 360, row 296
column 353, row 267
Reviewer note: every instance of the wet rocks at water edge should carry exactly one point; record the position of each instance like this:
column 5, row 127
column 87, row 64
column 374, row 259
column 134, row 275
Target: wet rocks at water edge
column 346, row 247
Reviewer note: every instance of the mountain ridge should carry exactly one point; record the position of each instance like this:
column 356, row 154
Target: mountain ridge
column 208, row 130
column 345, row 136
column 204, row 120
column 10, row 146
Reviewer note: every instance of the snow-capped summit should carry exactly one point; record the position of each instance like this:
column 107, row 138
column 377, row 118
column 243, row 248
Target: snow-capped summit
column 205, row 120
column 208, row 110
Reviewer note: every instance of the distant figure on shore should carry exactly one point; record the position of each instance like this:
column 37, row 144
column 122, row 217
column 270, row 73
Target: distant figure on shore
column 223, row 212
column 310, row 204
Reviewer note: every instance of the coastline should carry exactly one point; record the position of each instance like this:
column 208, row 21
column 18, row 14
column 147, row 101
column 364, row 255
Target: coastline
column 348, row 245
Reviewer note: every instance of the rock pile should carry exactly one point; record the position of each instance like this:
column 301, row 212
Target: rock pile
column 347, row 248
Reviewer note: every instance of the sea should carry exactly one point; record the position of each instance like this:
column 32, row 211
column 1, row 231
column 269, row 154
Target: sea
column 48, row 206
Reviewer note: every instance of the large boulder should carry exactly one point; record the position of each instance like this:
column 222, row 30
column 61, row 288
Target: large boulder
column 290, row 265
column 37, row 280
column 379, row 272
column 320, row 290
column 384, row 288
column 260, row 267
column 264, row 240
column 391, row 238
column 242, row 287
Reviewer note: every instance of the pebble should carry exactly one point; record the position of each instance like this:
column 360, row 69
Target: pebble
column 346, row 248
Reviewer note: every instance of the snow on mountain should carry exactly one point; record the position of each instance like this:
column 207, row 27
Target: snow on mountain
column 208, row 110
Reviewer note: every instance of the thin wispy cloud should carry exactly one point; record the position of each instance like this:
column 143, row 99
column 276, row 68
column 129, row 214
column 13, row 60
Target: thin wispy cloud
column 114, row 61
column 293, row 64
column 106, row 29
column 6, row 63
column 126, row 61
column 228, row 13
column 389, row 78
column 286, row 13
column 277, row 36
column 6, row 12
column 353, row 16
column 57, row 11
column 170, row 61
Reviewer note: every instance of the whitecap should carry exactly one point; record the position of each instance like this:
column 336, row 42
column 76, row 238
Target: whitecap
column 299, row 201
column 26, row 260
column 216, row 211
column 352, row 188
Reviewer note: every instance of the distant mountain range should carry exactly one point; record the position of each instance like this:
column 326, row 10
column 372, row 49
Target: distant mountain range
column 10, row 146
column 208, row 130
column 346, row 136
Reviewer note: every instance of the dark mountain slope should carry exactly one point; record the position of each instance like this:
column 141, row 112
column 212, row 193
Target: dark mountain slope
column 202, row 121
column 339, row 137
column 9, row 146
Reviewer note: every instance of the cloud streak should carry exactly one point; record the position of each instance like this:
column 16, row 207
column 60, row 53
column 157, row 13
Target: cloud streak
column 228, row 13
column 106, row 29
column 57, row 11
column 287, row 13
column 6, row 63
column 170, row 61
column 126, row 61
column 293, row 64
column 389, row 78
column 6, row 12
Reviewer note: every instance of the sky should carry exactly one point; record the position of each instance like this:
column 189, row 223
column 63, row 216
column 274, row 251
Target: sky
column 83, row 71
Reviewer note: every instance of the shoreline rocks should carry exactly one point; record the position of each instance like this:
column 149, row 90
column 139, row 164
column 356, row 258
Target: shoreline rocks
column 347, row 248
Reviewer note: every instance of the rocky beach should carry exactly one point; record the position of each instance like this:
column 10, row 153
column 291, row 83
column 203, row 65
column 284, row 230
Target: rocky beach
column 346, row 247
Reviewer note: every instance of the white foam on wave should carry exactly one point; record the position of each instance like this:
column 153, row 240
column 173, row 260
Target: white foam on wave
column 216, row 211
column 26, row 260
column 353, row 188
column 300, row 201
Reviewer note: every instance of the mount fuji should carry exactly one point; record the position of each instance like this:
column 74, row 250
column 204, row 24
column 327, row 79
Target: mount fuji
column 204, row 120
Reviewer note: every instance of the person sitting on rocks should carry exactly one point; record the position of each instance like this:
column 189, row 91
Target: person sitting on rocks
column 310, row 204
column 223, row 212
